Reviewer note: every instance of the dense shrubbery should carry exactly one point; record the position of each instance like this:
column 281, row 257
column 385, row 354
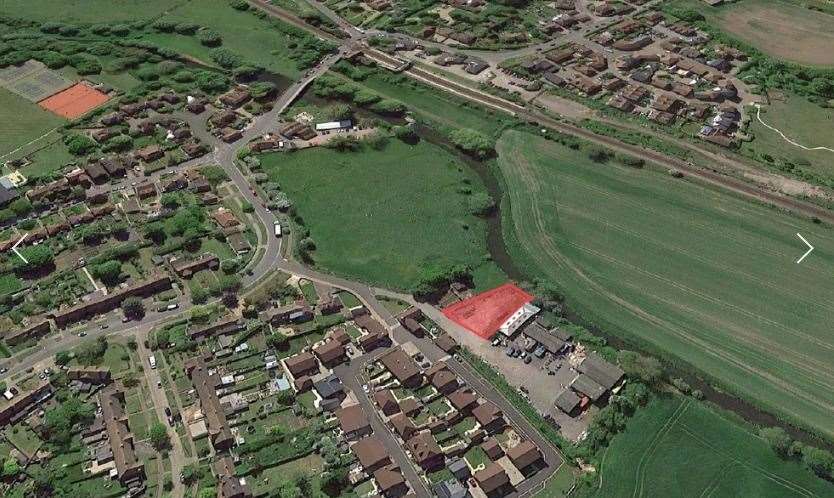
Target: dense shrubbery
column 434, row 279
column 472, row 142
column 818, row 461
column 333, row 87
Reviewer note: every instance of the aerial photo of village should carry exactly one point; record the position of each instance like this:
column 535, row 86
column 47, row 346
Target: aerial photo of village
column 416, row 248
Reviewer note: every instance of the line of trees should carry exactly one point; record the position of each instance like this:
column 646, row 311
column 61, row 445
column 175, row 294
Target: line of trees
column 818, row 461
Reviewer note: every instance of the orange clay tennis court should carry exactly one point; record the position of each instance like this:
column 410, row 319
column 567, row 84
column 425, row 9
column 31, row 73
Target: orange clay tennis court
column 484, row 313
column 75, row 101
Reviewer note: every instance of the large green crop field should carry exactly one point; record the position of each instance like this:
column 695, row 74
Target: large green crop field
column 381, row 216
column 682, row 268
column 679, row 447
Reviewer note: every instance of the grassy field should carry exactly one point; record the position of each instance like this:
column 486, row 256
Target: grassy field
column 382, row 216
column 679, row 447
column 699, row 274
column 92, row 11
column 252, row 38
column 783, row 29
column 801, row 121
column 22, row 121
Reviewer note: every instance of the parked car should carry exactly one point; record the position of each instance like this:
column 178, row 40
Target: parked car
column 509, row 351
column 528, row 359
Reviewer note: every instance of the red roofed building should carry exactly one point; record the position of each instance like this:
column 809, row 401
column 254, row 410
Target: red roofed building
column 485, row 313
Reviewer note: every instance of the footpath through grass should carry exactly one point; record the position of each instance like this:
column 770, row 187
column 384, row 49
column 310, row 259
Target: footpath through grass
column 690, row 272
column 679, row 447
column 803, row 122
column 383, row 216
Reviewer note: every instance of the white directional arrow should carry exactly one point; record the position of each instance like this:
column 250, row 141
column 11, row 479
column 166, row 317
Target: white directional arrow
column 810, row 248
column 14, row 248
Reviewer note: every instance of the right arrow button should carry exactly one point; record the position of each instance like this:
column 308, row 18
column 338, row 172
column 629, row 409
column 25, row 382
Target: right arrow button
column 810, row 248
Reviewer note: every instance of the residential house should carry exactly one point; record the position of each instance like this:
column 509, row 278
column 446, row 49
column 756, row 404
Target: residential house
column 386, row 402
column 330, row 353
column 403, row 426
column 390, row 481
column 129, row 467
column 442, row 378
column 187, row 269
column 492, row 480
column 150, row 153
column 371, row 453
column 402, row 367
column 353, row 422
column 489, row 417
column 301, row 364
column 425, row 452
column 215, row 416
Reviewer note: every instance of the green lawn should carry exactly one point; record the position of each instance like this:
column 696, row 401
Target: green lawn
column 679, row 447
column 9, row 284
column 22, row 121
column 92, row 11
column 801, row 121
column 395, row 306
column 349, row 300
column 695, row 273
column 558, row 485
column 24, row 439
column 476, row 457
column 309, row 292
column 116, row 358
column 368, row 212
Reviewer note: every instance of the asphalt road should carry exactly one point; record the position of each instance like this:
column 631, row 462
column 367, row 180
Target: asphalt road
column 351, row 376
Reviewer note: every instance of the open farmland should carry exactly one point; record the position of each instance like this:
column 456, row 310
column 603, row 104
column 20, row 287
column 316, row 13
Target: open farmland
column 383, row 215
column 678, row 447
column 700, row 274
column 784, row 30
